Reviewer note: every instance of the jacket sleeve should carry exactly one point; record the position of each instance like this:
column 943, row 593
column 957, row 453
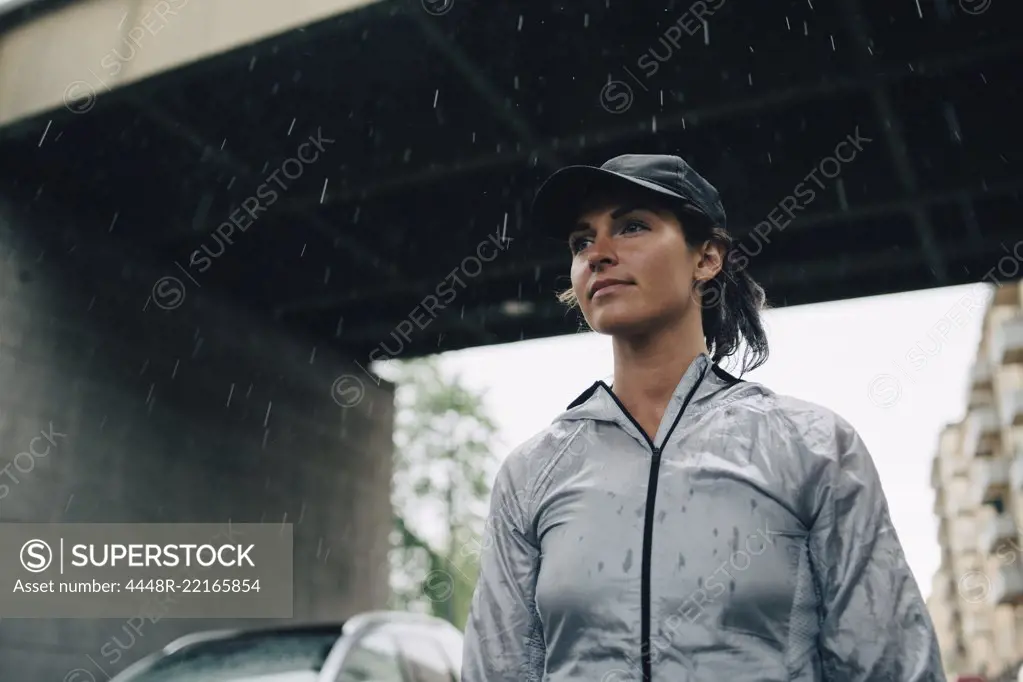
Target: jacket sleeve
column 503, row 635
column 875, row 625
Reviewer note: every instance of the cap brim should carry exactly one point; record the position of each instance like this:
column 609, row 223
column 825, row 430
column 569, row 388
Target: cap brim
column 557, row 203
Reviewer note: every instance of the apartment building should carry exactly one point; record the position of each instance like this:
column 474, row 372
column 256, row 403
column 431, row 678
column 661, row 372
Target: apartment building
column 976, row 598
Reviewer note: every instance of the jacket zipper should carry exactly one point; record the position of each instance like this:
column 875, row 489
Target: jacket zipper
column 646, row 607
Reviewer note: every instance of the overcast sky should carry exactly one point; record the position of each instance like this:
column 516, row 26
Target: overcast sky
column 849, row 356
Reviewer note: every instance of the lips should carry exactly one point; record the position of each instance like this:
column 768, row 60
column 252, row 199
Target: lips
column 603, row 284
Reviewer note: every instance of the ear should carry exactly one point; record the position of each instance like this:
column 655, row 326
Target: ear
column 711, row 261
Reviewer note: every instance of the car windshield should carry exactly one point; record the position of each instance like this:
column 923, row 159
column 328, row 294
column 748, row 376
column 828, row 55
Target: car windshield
column 287, row 656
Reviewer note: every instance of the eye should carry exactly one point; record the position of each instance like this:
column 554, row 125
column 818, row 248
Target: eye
column 576, row 243
column 634, row 225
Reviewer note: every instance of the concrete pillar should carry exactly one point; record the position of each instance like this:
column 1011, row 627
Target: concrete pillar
column 202, row 413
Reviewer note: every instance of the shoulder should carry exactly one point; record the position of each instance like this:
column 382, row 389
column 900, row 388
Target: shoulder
column 529, row 462
column 812, row 427
column 811, row 447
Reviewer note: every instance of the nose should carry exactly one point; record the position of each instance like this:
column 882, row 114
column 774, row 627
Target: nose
column 601, row 253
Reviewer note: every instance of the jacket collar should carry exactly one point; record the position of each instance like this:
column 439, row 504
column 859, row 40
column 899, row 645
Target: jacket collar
column 598, row 403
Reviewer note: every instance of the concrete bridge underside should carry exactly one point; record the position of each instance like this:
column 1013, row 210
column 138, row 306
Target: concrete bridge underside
column 209, row 210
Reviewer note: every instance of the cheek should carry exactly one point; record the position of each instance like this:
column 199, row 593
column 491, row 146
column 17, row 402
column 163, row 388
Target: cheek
column 580, row 274
column 667, row 280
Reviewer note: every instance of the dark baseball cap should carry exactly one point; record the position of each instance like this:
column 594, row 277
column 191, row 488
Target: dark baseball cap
column 668, row 178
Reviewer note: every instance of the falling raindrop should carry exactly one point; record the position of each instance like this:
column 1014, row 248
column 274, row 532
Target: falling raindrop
column 436, row 95
column 303, row 251
column 520, row 23
column 223, row 143
column 290, row 128
column 113, row 222
column 788, row 24
column 267, row 417
column 833, row 43
column 919, row 9
column 229, row 395
column 323, row 194
column 48, row 124
column 326, row 275
column 586, row 20
column 252, row 63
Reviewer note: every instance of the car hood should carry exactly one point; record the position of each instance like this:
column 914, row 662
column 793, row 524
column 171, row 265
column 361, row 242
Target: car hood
column 294, row 676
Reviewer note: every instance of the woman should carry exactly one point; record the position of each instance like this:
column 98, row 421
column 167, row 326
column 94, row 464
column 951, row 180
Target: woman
column 683, row 524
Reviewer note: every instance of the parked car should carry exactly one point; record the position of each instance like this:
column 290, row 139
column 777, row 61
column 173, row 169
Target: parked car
column 378, row 646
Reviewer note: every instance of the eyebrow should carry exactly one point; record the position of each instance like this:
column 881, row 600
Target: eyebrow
column 615, row 215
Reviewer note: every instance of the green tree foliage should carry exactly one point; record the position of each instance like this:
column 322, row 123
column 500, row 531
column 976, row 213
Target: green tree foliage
column 443, row 467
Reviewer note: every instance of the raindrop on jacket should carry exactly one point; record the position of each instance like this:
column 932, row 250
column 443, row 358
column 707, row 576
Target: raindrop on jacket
column 750, row 541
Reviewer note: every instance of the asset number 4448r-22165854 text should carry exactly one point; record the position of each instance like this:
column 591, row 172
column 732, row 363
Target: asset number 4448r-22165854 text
column 193, row 585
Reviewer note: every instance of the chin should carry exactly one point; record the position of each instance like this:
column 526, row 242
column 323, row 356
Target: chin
column 620, row 320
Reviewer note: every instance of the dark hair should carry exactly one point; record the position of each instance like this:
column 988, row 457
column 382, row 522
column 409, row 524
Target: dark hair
column 731, row 303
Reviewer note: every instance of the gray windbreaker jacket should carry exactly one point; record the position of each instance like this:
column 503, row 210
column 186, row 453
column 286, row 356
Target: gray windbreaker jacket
column 749, row 542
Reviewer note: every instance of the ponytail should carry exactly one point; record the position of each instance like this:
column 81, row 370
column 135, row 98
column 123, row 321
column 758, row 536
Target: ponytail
column 731, row 304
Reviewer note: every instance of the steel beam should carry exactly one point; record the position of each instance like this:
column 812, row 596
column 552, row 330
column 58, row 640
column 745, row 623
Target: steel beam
column 533, row 268
column 895, row 139
column 697, row 114
column 485, row 88
column 230, row 162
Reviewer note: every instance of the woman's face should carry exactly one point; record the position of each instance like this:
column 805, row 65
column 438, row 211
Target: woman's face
column 632, row 271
